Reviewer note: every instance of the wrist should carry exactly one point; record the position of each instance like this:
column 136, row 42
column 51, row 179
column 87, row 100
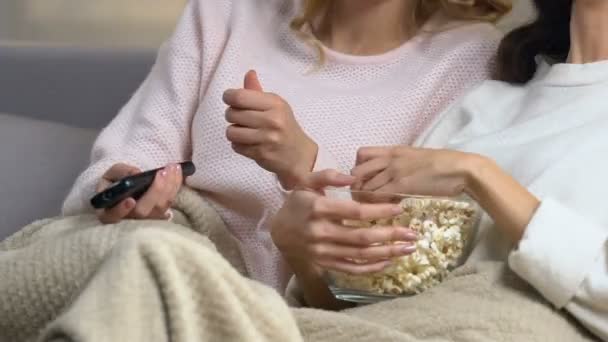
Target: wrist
column 303, row 166
column 303, row 268
column 476, row 170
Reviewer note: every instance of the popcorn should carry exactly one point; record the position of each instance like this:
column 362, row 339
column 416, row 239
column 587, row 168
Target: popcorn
column 443, row 226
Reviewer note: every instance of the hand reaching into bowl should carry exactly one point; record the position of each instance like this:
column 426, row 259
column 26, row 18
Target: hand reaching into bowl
column 310, row 228
column 415, row 171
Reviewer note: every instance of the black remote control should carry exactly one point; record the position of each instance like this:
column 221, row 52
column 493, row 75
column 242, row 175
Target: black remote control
column 133, row 186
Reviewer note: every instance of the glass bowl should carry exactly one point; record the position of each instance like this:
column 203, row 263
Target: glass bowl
column 446, row 228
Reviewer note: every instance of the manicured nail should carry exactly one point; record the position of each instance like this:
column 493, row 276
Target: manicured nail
column 412, row 236
column 178, row 167
column 163, row 173
column 129, row 203
column 397, row 210
column 408, row 249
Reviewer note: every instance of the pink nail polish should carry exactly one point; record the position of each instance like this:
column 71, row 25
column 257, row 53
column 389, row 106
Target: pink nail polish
column 408, row 249
column 397, row 210
column 412, row 236
column 129, row 203
column 163, row 173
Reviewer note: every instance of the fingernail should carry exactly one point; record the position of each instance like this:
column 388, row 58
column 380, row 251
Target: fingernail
column 130, row 203
column 408, row 249
column 178, row 166
column 412, row 236
column 163, row 173
column 397, row 210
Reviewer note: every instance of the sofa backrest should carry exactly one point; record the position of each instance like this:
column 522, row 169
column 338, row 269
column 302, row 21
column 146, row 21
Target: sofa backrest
column 83, row 87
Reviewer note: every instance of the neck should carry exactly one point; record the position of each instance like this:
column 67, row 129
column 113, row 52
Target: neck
column 366, row 27
column 589, row 31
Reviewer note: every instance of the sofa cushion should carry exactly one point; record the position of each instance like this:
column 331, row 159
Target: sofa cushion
column 39, row 161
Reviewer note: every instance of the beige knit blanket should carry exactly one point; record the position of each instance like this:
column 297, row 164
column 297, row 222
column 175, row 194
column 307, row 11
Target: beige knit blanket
column 71, row 279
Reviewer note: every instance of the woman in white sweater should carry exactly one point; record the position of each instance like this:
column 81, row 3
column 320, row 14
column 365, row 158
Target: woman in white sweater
column 533, row 156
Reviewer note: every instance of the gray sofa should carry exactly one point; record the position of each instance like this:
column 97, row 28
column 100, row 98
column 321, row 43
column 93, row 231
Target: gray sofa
column 53, row 102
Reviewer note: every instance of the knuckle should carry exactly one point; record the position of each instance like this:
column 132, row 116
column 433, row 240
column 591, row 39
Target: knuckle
column 238, row 97
column 318, row 207
column 364, row 239
column 274, row 138
column 318, row 250
column 360, row 253
column 280, row 122
column 277, row 101
column 357, row 212
column 318, row 232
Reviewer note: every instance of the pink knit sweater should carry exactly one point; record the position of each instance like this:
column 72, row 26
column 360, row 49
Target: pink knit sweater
column 178, row 113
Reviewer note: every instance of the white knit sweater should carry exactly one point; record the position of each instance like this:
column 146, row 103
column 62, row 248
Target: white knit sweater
column 178, row 113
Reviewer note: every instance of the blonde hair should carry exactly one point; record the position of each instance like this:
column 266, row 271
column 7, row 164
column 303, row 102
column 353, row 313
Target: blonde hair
column 473, row 10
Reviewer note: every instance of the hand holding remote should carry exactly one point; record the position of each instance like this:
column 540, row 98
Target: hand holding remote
column 153, row 204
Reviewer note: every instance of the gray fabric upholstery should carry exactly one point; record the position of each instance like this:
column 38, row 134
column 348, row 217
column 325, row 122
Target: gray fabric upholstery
column 82, row 87
column 39, row 161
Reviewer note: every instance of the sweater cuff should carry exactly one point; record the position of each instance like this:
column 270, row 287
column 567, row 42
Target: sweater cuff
column 557, row 251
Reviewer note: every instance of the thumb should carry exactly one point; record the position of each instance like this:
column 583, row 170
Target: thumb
column 252, row 82
column 323, row 179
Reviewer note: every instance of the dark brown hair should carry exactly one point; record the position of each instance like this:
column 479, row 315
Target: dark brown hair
column 547, row 36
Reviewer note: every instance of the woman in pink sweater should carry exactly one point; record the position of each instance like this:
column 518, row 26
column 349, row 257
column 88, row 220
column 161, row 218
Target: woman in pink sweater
column 349, row 74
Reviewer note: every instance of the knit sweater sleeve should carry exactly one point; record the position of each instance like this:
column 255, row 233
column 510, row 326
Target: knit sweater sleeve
column 153, row 128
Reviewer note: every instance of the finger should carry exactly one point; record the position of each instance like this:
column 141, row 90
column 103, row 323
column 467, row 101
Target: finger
column 375, row 197
column 120, row 171
column 378, row 181
column 246, row 118
column 102, row 185
column 166, row 200
column 338, row 209
column 364, row 237
column 176, row 184
column 366, row 153
column 353, row 268
column 401, row 187
column 116, row 213
column 370, row 168
column 366, row 253
column 248, row 151
column 150, row 200
column 249, row 99
column 323, row 179
column 244, row 135
column 252, row 82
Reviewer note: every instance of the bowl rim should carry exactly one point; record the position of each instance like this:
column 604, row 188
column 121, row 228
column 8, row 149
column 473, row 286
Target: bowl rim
column 461, row 197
